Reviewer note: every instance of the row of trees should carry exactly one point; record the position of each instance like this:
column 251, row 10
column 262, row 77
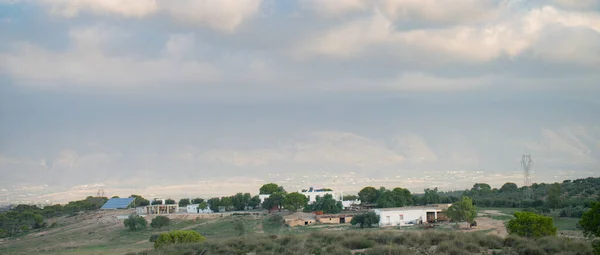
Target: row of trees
column 279, row 199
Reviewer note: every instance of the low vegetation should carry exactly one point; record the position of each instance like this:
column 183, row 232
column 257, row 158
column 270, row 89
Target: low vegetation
column 135, row 222
column 380, row 242
column 177, row 237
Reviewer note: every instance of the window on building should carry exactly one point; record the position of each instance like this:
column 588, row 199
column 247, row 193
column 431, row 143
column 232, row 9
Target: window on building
column 401, row 216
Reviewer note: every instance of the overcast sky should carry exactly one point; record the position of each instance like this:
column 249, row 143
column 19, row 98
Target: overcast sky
column 211, row 97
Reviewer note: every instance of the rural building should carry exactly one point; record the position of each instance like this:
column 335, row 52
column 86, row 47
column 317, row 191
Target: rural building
column 262, row 197
column 312, row 194
column 299, row 219
column 410, row 215
column 194, row 208
column 334, row 218
column 157, row 209
column 349, row 204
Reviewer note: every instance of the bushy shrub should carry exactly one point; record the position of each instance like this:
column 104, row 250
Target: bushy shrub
column 530, row 224
column 368, row 219
column 358, row 242
column 177, row 237
column 135, row 222
column 572, row 212
column 160, row 221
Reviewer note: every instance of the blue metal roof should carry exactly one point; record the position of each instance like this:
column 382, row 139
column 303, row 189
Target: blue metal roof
column 117, row 203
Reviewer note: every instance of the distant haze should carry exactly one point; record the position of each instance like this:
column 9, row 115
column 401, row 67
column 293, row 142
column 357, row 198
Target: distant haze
column 209, row 98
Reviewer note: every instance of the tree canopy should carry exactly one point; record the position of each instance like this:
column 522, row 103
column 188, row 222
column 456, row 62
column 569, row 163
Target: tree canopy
column 184, row 202
column 529, row 224
column 135, row 222
column 368, row 195
column 462, row 210
column 326, row 204
column 590, row 221
column 160, row 221
column 270, row 188
column 365, row 220
column 295, row 201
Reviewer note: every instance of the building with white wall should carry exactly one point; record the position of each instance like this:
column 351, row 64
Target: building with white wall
column 262, row 197
column 410, row 215
column 195, row 208
column 312, row 194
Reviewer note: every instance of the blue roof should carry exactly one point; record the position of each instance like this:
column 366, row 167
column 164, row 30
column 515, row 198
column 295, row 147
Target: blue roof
column 117, row 203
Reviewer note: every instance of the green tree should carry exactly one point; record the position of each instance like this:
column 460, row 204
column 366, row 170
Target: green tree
column 197, row 200
column 529, row 224
column 327, row 204
column 139, row 200
column 203, row 205
column 295, row 201
column 178, row 236
column 254, row 201
column 160, row 221
column 274, row 200
column 214, row 204
column 590, row 221
column 553, row 198
column 368, row 195
column 509, row 187
column 431, row 196
column 170, row 201
column 462, row 210
column 135, row 222
column 367, row 219
column 227, row 202
column 270, row 188
column 184, row 202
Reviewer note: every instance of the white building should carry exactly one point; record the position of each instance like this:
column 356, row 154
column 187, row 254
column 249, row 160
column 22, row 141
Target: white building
column 410, row 215
column 194, row 208
column 312, row 194
column 262, row 197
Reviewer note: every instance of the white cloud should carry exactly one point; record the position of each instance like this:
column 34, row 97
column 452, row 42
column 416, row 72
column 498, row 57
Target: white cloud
column 578, row 4
column 509, row 35
column 333, row 8
column 441, row 12
column 127, row 8
column 225, row 15
column 349, row 39
column 88, row 64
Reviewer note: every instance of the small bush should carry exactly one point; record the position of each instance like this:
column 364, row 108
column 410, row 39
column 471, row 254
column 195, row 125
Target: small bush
column 452, row 247
column 365, row 220
column 160, row 221
column 177, row 237
column 358, row 243
column 530, row 249
column 135, row 222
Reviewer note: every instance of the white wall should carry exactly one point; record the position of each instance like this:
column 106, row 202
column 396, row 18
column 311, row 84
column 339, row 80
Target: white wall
column 193, row 208
column 263, row 197
column 312, row 196
column 401, row 217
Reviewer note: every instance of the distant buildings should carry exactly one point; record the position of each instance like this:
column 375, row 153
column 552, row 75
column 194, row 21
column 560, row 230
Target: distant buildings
column 312, row 194
column 194, row 208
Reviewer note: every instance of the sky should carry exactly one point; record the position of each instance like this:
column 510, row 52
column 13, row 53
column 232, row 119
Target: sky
column 201, row 98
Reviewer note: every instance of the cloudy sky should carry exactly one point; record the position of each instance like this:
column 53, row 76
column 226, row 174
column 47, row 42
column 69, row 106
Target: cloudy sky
column 211, row 97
